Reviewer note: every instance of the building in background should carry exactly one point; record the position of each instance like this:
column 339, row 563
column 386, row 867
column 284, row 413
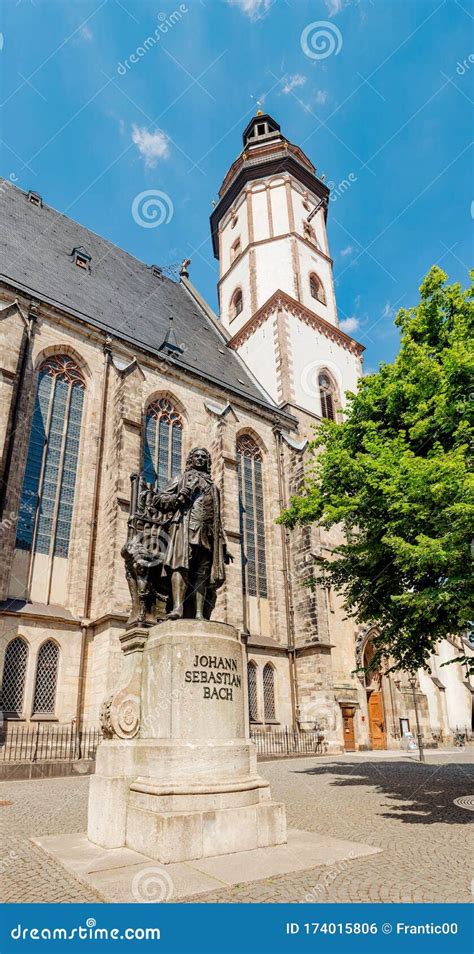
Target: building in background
column 111, row 366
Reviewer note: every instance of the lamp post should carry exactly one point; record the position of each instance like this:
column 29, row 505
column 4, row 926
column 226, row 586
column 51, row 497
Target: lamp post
column 412, row 681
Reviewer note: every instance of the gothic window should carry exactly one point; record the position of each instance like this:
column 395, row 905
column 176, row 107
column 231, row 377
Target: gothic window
column 269, row 693
column 326, row 394
column 237, row 303
column 163, row 441
column 316, row 288
column 47, row 499
column 46, row 679
column 252, row 524
column 252, row 690
column 14, row 674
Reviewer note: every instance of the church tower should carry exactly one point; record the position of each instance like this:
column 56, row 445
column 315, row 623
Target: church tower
column 276, row 289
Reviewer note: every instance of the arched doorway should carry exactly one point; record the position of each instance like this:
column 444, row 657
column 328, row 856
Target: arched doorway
column 375, row 706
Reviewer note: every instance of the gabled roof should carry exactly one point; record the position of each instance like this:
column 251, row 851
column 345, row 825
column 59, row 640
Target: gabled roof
column 118, row 293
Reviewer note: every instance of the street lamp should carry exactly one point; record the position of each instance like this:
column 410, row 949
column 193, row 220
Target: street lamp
column 419, row 735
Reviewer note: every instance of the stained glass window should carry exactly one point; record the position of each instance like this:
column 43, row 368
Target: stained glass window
column 46, row 678
column 252, row 690
column 14, row 674
column 252, row 520
column 269, row 693
column 163, row 442
column 47, row 499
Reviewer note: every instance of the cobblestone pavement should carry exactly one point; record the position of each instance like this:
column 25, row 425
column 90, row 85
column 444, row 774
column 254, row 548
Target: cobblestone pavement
column 395, row 804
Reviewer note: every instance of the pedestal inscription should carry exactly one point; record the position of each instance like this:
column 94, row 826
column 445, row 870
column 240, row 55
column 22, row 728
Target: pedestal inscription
column 187, row 786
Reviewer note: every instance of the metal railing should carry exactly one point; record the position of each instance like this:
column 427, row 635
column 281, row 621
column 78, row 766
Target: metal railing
column 43, row 742
column 286, row 741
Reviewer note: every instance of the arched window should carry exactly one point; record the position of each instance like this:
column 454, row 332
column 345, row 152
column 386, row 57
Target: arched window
column 235, row 250
column 14, row 674
column 326, row 394
column 163, row 441
column 46, row 678
column 316, row 288
column 252, row 523
column 269, row 693
column 252, row 689
column 47, row 499
column 237, row 304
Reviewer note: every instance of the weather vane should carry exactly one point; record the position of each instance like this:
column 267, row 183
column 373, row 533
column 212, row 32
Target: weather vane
column 259, row 104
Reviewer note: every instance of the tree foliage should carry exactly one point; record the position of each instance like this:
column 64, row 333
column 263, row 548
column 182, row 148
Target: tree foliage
column 396, row 477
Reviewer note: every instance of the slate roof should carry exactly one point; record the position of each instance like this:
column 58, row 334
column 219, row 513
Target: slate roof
column 119, row 294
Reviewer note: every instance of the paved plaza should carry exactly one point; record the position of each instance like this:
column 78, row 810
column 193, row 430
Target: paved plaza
column 392, row 803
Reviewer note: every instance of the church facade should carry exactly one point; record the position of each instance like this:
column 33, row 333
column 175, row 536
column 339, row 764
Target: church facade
column 109, row 368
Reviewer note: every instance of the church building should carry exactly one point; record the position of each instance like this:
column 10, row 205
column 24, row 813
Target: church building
column 111, row 367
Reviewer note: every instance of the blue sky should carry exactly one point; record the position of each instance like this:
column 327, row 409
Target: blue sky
column 377, row 92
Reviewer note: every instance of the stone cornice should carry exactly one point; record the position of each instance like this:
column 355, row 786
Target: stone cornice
column 282, row 300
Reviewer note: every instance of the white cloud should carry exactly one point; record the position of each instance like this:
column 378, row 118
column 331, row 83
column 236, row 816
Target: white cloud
column 291, row 82
column 86, row 33
column 321, row 96
column 348, row 250
column 253, row 9
column 349, row 325
column 333, row 7
column 152, row 146
column 318, row 97
column 388, row 310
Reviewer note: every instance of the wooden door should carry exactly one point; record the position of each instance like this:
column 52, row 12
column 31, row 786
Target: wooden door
column 348, row 728
column 376, row 720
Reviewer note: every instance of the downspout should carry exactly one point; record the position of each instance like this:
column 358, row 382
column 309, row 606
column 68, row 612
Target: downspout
column 290, row 616
column 20, row 376
column 93, row 537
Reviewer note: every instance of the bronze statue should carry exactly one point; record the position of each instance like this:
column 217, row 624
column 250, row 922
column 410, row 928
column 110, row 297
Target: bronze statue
column 176, row 551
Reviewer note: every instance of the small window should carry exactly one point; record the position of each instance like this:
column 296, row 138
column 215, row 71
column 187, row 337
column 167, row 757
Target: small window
column 156, row 271
column 46, row 679
column 269, row 693
column 261, row 129
column 252, row 691
column 237, row 304
column 14, row 675
column 35, row 199
column 235, row 250
column 316, row 289
column 81, row 258
column 326, row 393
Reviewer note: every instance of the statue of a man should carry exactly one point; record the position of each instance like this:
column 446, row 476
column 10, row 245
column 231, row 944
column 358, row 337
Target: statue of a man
column 196, row 553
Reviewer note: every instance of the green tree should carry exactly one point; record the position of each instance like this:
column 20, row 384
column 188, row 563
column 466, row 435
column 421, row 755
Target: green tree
column 396, row 477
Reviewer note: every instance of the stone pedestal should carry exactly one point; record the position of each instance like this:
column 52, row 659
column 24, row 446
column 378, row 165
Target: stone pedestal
column 181, row 782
